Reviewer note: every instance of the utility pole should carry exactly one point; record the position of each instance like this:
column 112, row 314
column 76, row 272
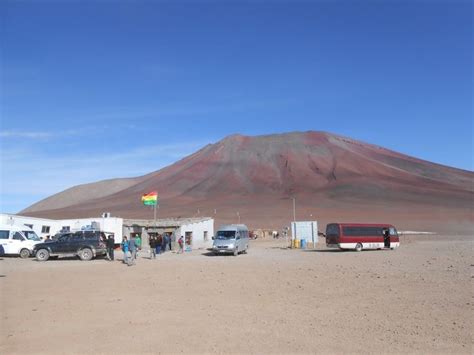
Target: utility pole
column 294, row 209
column 238, row 215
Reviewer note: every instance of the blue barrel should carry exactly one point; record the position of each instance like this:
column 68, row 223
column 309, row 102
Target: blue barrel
column 303, row 243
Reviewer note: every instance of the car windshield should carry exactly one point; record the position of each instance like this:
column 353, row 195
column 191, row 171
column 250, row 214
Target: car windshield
column 30, row 235
column 225, row 235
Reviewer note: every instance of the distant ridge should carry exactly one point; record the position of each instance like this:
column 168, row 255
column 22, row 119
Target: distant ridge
column 332, row 178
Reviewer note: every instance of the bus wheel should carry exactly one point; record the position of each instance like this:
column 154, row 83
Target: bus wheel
column 358, row 247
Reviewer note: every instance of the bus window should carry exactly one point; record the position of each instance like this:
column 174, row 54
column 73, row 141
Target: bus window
column 332, row 230
column 393, row 231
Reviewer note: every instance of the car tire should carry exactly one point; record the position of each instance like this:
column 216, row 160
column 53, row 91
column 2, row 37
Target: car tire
column 86, row 254
column 358, row 247
column 24, row 253
column 42, row 255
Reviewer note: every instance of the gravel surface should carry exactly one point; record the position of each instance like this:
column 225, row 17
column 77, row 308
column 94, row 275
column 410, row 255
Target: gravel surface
column 273, row 300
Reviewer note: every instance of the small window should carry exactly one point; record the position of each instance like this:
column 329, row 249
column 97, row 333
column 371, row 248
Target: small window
column 29, row 225
column 65, row 228
column 45, row 229
column 4, row 234
column 206, row 237
column 76, row 237
column 89, row 234
column 18, row 236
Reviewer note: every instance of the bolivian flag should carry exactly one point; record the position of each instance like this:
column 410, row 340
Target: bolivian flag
column 150, row 199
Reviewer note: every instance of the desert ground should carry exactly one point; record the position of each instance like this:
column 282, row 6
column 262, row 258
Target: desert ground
column 416, row 299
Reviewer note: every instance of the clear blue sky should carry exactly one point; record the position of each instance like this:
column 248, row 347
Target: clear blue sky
column 103, row 89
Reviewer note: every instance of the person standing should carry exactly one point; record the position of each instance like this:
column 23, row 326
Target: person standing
column 132, row 246
column 164, row 242
column 138, row 241
column 125, row 249
column 169, row 241
column 110, row 247
column 159, row 241
column 181, row 245
column 152, row 243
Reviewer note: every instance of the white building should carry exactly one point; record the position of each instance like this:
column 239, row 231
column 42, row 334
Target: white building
column 44, row 226
column 198, row 232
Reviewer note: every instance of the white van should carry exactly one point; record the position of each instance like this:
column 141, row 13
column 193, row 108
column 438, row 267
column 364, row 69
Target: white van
column 18, row 240
column 231, row 238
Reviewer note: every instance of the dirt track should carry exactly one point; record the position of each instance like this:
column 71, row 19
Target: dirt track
column 414, row 299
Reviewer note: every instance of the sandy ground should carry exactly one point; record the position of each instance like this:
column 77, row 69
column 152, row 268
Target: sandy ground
column 415, row 299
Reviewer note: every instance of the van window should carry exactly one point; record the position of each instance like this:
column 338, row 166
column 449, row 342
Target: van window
column 45, row 229
column 393, row 231
column 225, row 235
column 18, row 236
column 4, row 234
column 30, row 235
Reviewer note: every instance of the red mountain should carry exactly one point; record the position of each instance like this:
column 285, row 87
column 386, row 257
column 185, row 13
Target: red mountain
column 332, row 178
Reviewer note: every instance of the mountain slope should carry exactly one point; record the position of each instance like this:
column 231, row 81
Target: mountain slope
column 331, row 177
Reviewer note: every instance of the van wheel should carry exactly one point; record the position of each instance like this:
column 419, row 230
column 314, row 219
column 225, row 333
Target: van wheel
column 85, row 254
column 358, row 247
column 236, row 251
column 24, row 253
column 42, row 255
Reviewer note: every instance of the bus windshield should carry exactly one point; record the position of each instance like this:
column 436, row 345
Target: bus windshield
column 225, row 235
column 30, row 235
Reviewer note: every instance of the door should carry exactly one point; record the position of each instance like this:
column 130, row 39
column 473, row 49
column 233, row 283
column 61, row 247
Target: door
column 4, row 239
column 15, row 242
column 61, row 245
column 239, row 236
column 76, row 242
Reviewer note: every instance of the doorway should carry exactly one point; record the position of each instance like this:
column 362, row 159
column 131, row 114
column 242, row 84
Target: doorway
column 386, row 238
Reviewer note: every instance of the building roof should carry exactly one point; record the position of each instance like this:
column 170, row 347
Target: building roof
column 166, row 222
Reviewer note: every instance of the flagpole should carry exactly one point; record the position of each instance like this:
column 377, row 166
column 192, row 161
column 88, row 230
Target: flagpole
column 154, row 214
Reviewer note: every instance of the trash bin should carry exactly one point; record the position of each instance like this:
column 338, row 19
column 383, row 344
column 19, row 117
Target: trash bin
column 303, row 244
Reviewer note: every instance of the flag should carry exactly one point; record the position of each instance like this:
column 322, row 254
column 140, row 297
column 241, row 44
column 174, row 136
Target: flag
column 150, row 199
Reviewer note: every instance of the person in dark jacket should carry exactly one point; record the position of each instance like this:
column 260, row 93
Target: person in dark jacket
column 132, row 247
column 110, row 247
column 159, row 241
column 152, row 243
column 164, row 242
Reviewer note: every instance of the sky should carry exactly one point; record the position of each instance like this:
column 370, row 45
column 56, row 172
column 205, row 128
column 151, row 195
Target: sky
column 93, row 90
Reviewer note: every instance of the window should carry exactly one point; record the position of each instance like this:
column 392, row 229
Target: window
column 206, row 238
column 393, row 231
column 18, row 236
column 4, row 234
column 29, row 225
column 332, row 230
column 65, row 228
column 363, row 231
column 45, row 229
column 89, row 234
column 76, row 237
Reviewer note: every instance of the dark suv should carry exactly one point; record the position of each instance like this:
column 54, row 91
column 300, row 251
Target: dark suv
column 85, row 244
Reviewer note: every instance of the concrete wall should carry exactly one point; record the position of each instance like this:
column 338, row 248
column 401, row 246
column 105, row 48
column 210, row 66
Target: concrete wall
column 197, row 229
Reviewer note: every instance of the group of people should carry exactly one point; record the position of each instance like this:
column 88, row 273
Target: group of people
column 130, row 249
column 158, row 245
column 161, row 242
